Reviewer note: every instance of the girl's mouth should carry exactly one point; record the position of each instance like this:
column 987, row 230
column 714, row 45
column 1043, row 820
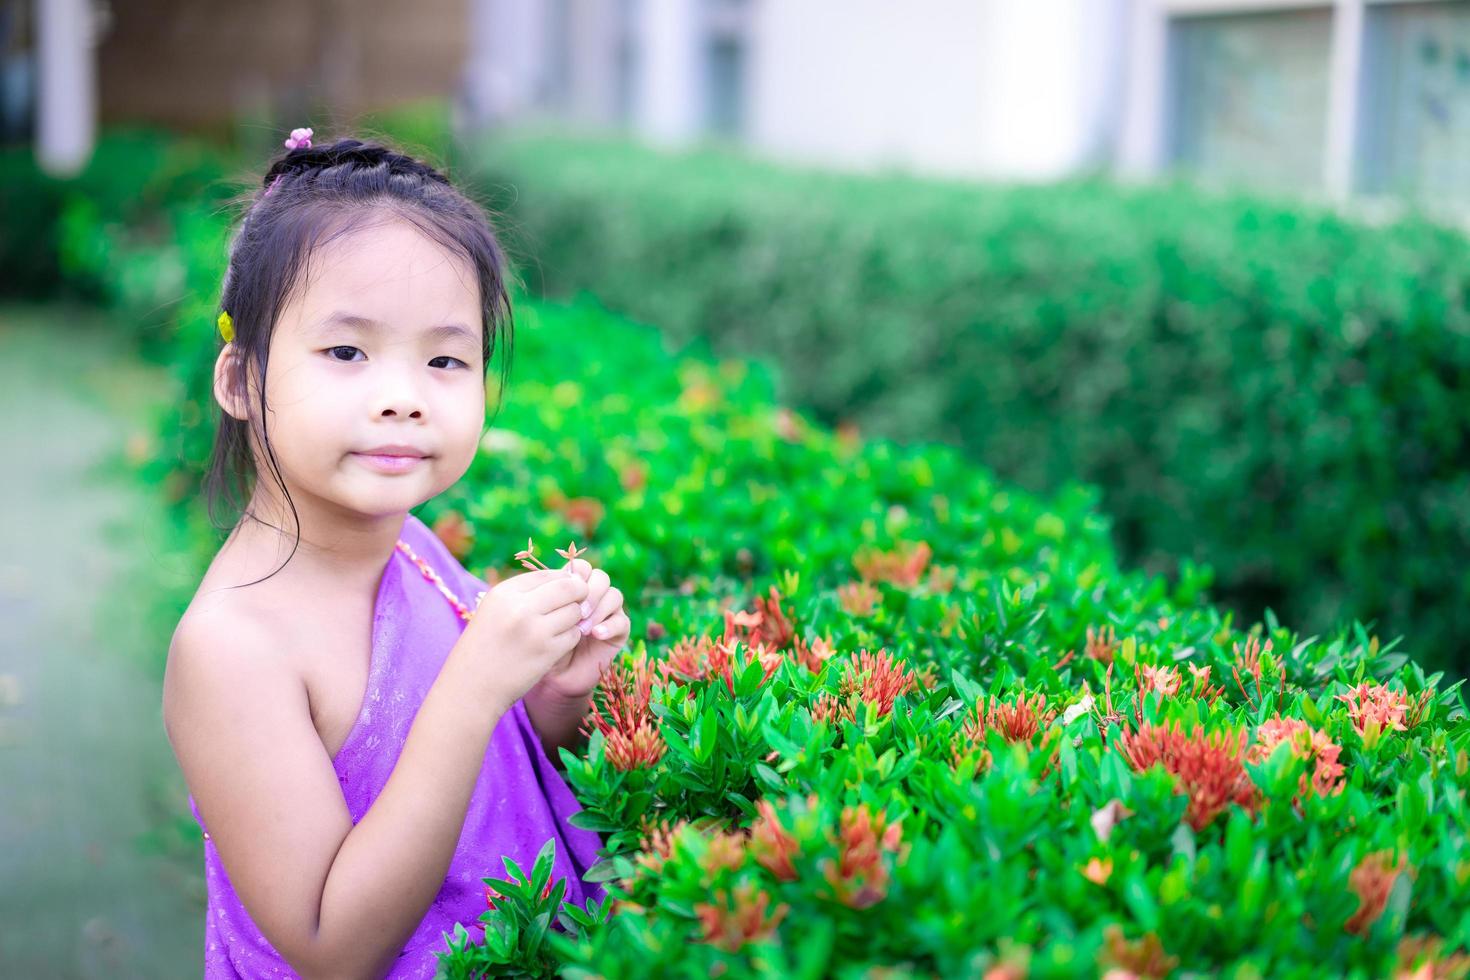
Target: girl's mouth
column 390, row 464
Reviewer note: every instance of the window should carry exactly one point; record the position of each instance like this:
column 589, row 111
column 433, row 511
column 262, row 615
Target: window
column 725, row 77
column 1414, row 136
column 1247, row 96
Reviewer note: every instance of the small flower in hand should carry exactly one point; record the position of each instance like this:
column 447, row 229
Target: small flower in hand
column 528, row 556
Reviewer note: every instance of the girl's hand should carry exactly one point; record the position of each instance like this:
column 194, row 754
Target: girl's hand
column 575, row 676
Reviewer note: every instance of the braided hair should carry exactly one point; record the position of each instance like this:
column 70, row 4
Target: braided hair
column 310, row 196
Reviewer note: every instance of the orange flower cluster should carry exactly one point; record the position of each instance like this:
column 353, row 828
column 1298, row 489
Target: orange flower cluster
column 1020, row 720
column 1307, row 743
column 631, row 736
column 858, row 598
column 1422, row 957
column 903, row 566
column 633, row 476
column 1377, row 707
column 1250, row 660
column 859, row 878
column 1164, row 680
column 1143, row 957
column 772, row 844
column 658, row 845
column 584, row 514
column 724, row 851
column 1017, row 721
column 739, row 916
column 456, row 533
column 1371, row 881
column 766, row 634
column 694, row 660
column 1201, row 687
column 877, row 679
column 1209, row 769
column 1101, row 645
column 768, row 624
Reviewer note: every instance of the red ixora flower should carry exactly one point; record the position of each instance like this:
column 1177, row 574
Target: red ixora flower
column 1101, row 644
column 1143, row 957
column 1377, row 707
column 859, row 877
column 739, row 916
column 1307, row 742
column 768, row 624
column 1371, row 881
column 876, row 678
column 456, row 533
column 1250, row 659
column 1019, row 720
column 1165, row 680
column 772, row 843
column 631, row 739
column 902, row 566
column 858, row 598
column 1208, row 768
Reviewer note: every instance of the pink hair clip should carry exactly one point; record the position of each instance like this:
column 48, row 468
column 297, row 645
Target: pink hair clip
column 299, row 139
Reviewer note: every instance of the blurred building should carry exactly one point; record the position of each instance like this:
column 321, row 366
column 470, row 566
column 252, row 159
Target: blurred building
column 264, row 65
column 1340, row 98
column 1323, row 97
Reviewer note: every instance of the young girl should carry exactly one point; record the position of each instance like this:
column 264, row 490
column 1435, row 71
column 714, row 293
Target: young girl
column 366, row 729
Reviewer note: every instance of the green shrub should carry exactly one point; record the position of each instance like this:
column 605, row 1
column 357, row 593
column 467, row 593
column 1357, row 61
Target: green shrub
column 836, row 638
column 1275, row 391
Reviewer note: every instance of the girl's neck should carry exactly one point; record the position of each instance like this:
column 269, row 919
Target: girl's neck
column 348, row 547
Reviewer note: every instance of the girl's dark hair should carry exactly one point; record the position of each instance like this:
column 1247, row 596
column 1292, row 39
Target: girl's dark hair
column 309, row 197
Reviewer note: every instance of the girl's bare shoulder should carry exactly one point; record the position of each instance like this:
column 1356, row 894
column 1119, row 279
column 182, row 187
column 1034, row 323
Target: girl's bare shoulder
column 230, row 633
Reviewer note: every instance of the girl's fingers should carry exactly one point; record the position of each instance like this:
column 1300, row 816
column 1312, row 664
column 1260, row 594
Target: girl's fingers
column 609, row 602
column 615, row 625
column 579, row 566
column 597, row 588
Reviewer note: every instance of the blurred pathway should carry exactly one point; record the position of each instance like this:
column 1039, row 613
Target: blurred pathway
column 87, row 778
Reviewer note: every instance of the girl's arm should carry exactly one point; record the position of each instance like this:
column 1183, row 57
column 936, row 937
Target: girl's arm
column 336, row 900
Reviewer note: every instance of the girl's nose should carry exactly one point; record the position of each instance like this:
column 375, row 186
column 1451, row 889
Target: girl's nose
column 402, row 400
column 400, row 397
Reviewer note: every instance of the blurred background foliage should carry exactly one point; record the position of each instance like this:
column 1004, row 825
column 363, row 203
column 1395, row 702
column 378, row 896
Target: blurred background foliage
column 1270, row 390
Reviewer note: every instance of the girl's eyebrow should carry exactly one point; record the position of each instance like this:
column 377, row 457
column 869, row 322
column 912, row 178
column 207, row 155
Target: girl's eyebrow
column 446, row 331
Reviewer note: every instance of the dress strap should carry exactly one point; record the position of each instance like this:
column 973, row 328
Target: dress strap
column 464, row 611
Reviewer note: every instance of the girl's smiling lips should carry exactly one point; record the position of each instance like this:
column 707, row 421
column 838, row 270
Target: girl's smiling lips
column 392, row 459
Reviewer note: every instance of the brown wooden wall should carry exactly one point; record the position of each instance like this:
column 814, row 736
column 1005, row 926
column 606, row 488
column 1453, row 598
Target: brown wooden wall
column 206, row 62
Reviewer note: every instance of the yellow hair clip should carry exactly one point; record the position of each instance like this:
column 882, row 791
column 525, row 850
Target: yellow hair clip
column 226, row 327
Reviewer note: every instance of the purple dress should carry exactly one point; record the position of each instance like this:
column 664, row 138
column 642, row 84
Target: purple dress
column 520, row 799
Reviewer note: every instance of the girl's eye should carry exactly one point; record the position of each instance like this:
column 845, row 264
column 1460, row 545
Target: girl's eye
column 332, row 352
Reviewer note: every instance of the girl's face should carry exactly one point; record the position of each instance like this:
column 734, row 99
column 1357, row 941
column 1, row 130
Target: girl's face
column 375, row 389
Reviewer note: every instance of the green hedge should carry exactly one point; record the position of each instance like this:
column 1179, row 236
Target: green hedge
column 1276, row 391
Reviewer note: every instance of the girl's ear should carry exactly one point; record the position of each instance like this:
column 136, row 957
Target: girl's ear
column 229, row 382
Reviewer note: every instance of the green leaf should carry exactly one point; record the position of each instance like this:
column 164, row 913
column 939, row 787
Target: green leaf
column 608, row 869
column 591, row 820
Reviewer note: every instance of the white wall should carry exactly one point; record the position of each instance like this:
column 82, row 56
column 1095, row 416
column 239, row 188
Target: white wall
column 66, row 90
column 1004, row 88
